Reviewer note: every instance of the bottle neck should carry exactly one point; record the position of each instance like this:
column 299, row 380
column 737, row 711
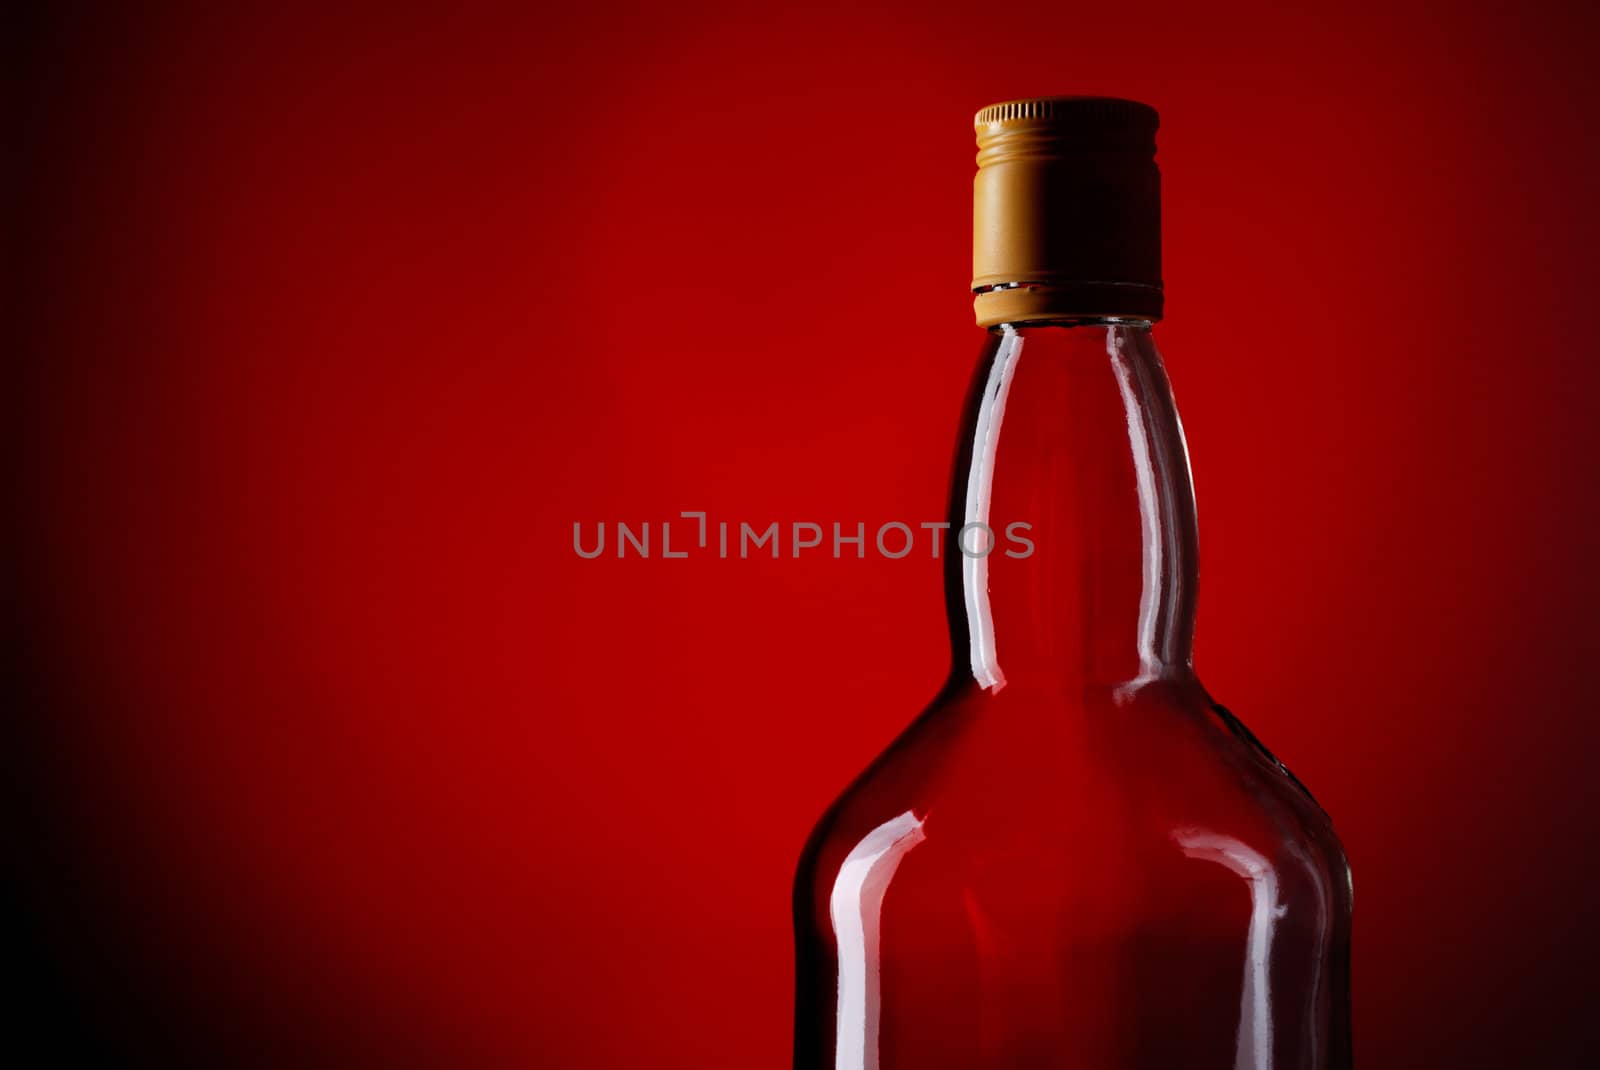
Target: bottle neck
column 1073, row 457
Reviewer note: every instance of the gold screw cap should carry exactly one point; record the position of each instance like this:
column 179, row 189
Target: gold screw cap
column 1066, row 211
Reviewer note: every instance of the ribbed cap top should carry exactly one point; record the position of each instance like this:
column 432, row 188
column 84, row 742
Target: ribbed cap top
column 1112, row 113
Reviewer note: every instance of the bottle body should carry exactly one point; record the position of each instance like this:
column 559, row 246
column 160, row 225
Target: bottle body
column 1073, row 858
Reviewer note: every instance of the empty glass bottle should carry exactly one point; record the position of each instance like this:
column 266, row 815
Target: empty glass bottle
column 1073, row 857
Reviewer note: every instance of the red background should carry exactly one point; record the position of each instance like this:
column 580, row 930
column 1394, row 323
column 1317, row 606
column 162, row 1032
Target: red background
column 332, row 326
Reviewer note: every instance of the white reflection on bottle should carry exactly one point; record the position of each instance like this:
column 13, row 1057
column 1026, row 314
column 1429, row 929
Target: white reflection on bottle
column 1255, row 1003
column 855, row 906
column 980, row 487
column 1149, row 513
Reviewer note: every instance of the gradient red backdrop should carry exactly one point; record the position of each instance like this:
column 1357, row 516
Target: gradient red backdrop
column 333, row 325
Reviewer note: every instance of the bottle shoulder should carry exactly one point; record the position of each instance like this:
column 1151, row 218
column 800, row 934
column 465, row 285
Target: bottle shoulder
column 1011, row 852
column 1134, row 779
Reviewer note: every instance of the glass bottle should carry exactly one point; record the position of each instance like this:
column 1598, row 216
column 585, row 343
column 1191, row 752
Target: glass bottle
column 1073, row 857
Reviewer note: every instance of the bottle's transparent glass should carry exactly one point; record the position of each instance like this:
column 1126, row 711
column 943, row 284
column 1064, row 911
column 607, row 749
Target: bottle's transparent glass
column 1073, row 858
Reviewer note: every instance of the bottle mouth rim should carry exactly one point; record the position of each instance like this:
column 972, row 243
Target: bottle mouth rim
column 993, row 305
